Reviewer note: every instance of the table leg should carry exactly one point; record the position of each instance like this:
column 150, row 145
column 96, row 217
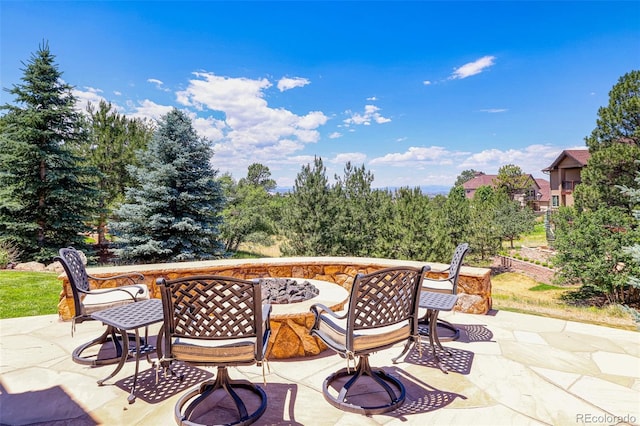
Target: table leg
column 433, row 339
column 123, row 356
column 132, row 396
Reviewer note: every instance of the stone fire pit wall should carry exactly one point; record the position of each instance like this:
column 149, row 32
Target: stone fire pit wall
column 290, row 333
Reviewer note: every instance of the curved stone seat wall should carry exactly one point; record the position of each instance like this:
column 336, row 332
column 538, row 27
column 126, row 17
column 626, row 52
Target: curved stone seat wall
column 474, row 287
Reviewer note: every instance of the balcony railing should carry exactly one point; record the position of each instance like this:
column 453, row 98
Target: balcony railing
column 569, row 185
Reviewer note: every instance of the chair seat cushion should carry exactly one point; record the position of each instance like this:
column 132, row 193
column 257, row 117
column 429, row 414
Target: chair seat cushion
column 97, row 301
column 364, row 339
column 438, row 286
column 225, row 351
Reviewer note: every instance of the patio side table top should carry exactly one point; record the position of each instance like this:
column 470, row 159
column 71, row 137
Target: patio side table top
column 437, row 301
column 132, row 315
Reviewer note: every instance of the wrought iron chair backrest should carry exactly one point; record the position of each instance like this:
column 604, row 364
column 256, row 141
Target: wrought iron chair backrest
column 213, row 308
column 456, row 264
column 382, row 298
column 76, row 273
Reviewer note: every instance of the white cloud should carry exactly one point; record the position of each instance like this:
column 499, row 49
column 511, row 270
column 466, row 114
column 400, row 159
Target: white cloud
column 417, row 155
column 89, row 94
column 249, row 130
column 158, row 83
column 370, row 114
column 427, row 82
column 531, row 159
column 494, row 110
column 335, row 135
column 372, row 99
column 286, row 83
column 356, row 158
column 147, row 109
column 473, row 68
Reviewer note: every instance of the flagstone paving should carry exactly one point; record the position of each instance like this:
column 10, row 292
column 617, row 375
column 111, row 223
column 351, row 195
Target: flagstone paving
column 506, row 369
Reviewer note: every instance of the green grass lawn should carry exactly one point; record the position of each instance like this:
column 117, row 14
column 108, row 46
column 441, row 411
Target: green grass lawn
column 25, row 294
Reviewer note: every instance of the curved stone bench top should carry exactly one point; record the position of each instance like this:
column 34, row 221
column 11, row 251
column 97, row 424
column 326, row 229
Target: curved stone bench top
column 275, row 261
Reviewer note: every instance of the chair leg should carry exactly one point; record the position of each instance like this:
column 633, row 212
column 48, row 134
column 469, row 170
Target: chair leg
column 384, row 380
column 221, row 382
column 109, row 335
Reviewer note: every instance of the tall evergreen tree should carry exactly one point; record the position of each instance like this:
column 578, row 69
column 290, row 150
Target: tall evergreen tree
column 174, row 212
column 353, row 225
column 46, row 199
column 111, row 147
column 484, row 233
column 615, row 148
column 311, row 213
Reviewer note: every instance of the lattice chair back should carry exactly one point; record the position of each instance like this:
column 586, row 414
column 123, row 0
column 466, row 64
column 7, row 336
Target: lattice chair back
column 456, row 265
column 87, row 301
column 383, row 298
column 213, row 308
column 74, row 267
column 218, row 321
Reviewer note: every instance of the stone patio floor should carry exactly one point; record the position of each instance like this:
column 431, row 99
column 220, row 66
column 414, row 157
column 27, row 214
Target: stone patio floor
column 506, row 369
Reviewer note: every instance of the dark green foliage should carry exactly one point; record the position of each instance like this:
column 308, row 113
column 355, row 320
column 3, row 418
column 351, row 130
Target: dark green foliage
column 615, row 148
column 174, row 212
column 46, row 196
column 594, row 239
column 484, row 232
column 355, row 231
column 249, row 214
column 512, row 219
column 590, row 251
column 111, row 147
column 311, row 214
column 465, row 176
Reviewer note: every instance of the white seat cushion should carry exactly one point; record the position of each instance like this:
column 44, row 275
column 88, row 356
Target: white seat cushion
column 97, row 301
column 366, row 339
column 214, row 351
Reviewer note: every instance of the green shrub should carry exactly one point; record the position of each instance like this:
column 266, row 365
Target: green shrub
column 8, row 254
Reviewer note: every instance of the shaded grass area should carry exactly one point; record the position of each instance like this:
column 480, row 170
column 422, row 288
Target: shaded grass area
column 519, row 293
column 25, row 294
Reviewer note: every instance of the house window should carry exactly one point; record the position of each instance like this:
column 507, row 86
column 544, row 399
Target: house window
column 555, row 201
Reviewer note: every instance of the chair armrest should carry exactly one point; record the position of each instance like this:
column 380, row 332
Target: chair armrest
column 110, row 290
column 319, row 308
column 132, row 277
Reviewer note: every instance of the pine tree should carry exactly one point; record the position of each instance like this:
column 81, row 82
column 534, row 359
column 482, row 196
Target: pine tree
column 111, row 147
column 311, row 213
column 614, row 145
column 46, row 198
column 174, row 213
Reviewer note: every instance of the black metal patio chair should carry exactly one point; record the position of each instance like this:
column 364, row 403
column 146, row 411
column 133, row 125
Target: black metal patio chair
column 446, row 285
column 87, row 301
column 217, row 321
column 382, row 312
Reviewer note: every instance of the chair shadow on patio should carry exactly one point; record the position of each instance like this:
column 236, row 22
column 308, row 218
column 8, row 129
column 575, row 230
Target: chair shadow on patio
column 148, row 391
column 45, row 406
column 470, row 333
column 457, row 360
column 421, row 397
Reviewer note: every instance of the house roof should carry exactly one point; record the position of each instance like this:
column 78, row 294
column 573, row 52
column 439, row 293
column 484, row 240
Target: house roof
column 581, row 156
column 478, row 181
column 545, row 189
column 488, row 180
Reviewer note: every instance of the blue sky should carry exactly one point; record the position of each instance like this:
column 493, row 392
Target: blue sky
column 415, row 91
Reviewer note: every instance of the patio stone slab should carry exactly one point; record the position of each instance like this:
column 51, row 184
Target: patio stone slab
column 512, row 369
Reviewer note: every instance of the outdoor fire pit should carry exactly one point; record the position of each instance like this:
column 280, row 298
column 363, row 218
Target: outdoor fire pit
column 291, row 319
column 286, row 290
